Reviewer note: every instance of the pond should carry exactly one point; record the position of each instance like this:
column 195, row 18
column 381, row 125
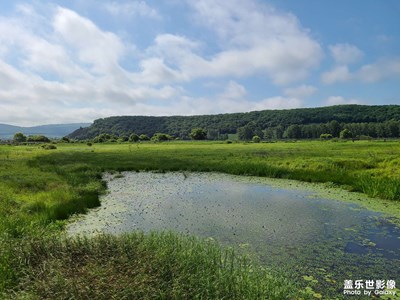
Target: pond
column 322, row 242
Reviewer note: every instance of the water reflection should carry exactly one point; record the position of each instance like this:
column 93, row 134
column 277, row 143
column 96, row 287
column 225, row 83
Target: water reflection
column 285, row 227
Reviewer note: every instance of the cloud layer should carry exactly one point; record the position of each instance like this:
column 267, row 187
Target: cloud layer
column 60, row 64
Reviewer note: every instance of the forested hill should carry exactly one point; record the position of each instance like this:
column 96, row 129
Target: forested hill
column 259, row 121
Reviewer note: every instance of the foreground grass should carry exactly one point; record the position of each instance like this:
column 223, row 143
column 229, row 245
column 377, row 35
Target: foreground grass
column 38, row 188
column 138, row 266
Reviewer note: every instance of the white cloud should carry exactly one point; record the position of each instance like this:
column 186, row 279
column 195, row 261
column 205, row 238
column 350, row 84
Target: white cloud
column 98, row 48
column 383, row 69
column 338, row 100
column 345, row 53
column 301, row 91
column 338, row 74
column 254, row 39
column 370, row 73
column 279, row 103
column 132, row 8
column 234, row 91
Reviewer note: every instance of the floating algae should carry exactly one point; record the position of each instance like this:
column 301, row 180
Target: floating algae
column 287, row 228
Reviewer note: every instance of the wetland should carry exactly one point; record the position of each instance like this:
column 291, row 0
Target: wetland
column 323, row 212
column 316, row 237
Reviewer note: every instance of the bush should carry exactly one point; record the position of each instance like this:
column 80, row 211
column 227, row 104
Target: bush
column 346, row 134
column 38, row 139
column 325, row 136
column 157, row 137
column 256, row 139
column 198, row 134
column 133, row 138
column 365, row 138
column 144, row 137
column 19, row 138
column 49, row 147
column 105, row 137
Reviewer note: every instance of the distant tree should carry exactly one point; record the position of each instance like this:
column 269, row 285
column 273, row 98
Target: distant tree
column 104, row 137
column 123, row 138
column 38, row 139
column 161, row 137
column 334, row 128
column 133, row 138
column 65, row 139
column 198, row 134
column 346, row 134
column 19, row 137
column 144, row 137
column 278, row 132
column 392, row 128
column 213, row 134
column 245, row 133
column 293, row 132
column 256, row 139
column 325, row 136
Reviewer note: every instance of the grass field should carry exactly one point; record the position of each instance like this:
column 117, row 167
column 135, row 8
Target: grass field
column 40, row 188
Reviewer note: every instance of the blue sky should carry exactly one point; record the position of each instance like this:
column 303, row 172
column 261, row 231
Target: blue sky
column 76, row 61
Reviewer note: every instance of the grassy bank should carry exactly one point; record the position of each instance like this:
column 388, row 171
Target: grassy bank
column 38, row 188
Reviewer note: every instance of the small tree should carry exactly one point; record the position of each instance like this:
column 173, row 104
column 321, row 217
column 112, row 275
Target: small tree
column 245, row 133
column 38, row 139
column 133, row 138
column 161, row 137
column 123, row 138
column 19, row 137
column 346, row 134
column 144, row 137
column 102, row 138
column 256, row 139
column 198, row 134
column 325, row 136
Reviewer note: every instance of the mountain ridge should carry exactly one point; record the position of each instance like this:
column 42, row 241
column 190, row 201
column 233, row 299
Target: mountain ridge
column 7, row 131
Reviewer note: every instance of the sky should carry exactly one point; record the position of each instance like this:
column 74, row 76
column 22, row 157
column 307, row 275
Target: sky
column 77, row 61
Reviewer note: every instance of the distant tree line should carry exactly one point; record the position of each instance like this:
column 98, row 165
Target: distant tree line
column 19, row 137
column 388, row 129
column 308, row 123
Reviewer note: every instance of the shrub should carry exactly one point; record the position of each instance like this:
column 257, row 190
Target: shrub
column 133, row 138
column 325, row 136
column 144, row 137
column 346, row 134
column 49, row 147
column 38, row 139
column 198, row 134
column 157, row 137
column 19, row 137
column 256, row 139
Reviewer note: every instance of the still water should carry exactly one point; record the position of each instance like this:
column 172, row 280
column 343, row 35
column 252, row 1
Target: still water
column 281, row 227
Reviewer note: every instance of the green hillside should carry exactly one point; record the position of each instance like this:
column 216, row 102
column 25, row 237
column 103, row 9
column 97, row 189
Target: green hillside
column 362, row 119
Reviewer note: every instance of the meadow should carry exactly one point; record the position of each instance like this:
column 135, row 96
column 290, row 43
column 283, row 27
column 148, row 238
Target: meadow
column 40, row 189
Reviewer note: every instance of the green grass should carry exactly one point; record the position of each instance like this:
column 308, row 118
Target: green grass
column 138, row 266
column 38, row 188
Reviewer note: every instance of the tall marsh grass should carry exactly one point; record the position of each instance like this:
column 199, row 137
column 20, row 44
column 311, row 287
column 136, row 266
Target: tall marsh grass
column 139, row 266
